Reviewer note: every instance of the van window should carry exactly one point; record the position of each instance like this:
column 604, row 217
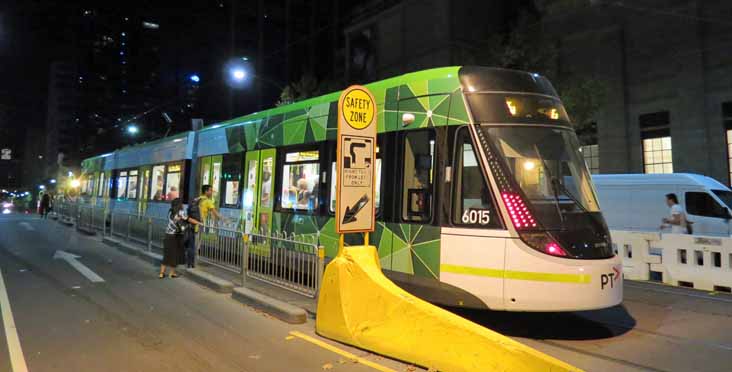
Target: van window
column 724, row 196
column 702, row 204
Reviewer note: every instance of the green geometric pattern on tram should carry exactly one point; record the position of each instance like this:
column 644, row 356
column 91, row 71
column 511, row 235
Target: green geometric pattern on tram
column 329, row 238
column 416, row 250
column 294, row 131
column 251, row 132
column 458, row 113
column 235, row 139
column 316, row 128
column 271, row 132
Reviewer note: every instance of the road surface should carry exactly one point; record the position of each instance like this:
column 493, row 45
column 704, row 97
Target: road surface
column 133, row 321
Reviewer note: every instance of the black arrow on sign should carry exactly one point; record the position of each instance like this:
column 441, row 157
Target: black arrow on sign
column 351, row 212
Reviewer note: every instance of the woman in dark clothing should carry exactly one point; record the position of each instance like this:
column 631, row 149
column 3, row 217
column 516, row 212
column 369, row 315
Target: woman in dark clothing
column 173, row 253
column 45, row 205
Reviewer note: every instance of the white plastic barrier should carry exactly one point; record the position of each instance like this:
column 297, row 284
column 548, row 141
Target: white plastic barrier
column 697, row 261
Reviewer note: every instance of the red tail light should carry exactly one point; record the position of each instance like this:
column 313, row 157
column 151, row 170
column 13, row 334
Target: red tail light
column 520, row 214
column 555, row 249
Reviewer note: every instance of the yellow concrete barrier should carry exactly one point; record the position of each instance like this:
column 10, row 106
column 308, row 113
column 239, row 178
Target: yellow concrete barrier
column 359, row 306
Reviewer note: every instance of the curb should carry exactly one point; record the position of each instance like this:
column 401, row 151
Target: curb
column 209, row 280
column 279, row 309
column 151, row 257
column 86, row 231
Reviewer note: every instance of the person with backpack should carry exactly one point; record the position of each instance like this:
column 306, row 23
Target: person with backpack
column 178, row 223
column 199, row 209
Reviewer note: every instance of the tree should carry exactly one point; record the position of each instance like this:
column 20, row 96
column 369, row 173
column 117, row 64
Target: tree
column 529, row 47
column 583, row 97
column 307, row 87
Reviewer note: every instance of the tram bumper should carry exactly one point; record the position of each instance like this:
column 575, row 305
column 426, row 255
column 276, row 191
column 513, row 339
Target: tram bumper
column 538, row 282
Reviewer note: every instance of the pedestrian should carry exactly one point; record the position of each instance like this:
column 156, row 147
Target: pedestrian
column 677, row 220
column 199, row 209
column 45, row 205
column 178, row 223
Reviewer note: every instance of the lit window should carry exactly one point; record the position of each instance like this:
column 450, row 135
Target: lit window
column 300, row 180
column 591, row 153
column 157, row 183
column 132, row 185
column 172, row 182
column 122, row 184
column 657, row 155
column 100, row 191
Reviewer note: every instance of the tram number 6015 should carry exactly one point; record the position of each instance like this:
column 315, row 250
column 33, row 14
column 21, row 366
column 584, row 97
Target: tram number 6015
column 476, row 216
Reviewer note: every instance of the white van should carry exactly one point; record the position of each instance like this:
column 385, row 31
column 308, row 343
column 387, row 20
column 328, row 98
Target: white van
column 638, row 202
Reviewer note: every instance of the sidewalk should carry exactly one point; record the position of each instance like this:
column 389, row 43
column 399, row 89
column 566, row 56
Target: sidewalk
column 278, row 302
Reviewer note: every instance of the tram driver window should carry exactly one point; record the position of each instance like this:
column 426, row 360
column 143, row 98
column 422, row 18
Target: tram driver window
column 300, row 181
column 473, row 205
column 419, row 153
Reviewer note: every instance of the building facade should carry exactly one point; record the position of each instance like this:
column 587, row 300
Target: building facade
column 666, row 67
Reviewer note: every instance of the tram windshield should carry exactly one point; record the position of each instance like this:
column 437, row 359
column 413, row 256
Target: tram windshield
column 546, row 164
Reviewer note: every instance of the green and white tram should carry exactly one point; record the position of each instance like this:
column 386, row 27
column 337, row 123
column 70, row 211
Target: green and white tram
column 483, row 198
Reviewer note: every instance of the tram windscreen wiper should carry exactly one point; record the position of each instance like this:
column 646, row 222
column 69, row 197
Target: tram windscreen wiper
column 557, row 186
column 555, row 189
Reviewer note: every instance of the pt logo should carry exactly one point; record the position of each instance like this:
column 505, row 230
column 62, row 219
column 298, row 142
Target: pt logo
column 610, row 279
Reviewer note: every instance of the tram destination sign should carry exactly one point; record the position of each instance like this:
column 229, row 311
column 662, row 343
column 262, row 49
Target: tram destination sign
column 356, row 149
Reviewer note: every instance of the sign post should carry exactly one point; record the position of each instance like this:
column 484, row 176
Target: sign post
column 356, row 163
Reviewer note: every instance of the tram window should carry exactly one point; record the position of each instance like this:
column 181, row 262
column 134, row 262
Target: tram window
column 300, row 180
column 100, row 185
column 132, row 185
column 122, row 184
column 157, row 183
column 265, row 200
column 100, row 190
column 145, row 185
column 232, row 165
column 473, row 203
column 172, row 182
column 418, row 172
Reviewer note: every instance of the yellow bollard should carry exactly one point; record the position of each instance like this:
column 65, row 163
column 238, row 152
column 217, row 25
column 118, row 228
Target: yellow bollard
column 359, row 306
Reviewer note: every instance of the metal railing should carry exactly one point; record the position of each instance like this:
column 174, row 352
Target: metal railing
column 220, row 246
column 92, row 218
column 295, row 263
column 292, row 262
column 147, row 231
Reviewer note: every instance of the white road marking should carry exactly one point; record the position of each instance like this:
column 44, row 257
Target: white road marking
column 27, row 226
column 83, row 270
column 17, row 360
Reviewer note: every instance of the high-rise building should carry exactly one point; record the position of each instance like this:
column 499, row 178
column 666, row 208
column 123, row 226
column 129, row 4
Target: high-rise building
column 62, row 124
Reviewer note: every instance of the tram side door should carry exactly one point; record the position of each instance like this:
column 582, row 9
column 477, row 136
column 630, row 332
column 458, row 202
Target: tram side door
column 257, row 204
column 474, row 241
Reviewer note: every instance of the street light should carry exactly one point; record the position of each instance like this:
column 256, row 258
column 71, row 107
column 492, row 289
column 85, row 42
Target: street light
column 53, row 180
column 238, row 74
column 195, row 78
column 133, row 129
column 75, row 183
column 41, row 187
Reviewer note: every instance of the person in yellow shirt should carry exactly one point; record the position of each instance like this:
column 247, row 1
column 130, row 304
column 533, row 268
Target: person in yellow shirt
column 200, row 207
